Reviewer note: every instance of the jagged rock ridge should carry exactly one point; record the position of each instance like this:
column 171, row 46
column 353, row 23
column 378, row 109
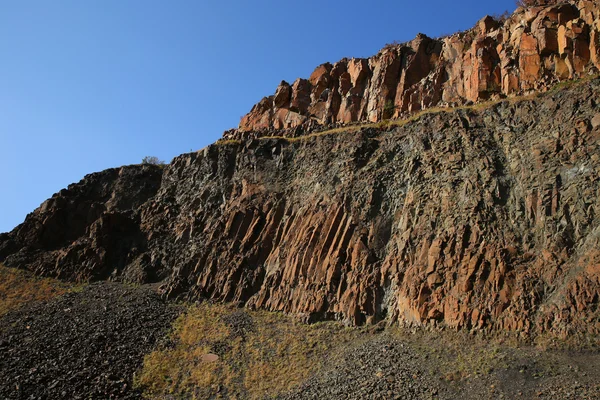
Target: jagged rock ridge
column 89, row 230
column 531, row 50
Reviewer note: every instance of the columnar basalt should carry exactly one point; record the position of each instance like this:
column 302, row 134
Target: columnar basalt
column 471, row 218
column 531, row 50
column 474, row 219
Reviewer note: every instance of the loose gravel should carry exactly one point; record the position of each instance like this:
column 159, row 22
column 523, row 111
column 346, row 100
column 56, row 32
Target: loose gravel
column 376, row 369
column 84, row 345
column 88, row 345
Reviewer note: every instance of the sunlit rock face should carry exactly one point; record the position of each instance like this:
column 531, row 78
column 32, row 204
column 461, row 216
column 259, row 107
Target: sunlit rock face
column 531, row 50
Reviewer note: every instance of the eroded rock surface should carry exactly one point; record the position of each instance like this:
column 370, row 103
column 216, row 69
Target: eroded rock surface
column 474, row 219
column 531, row 50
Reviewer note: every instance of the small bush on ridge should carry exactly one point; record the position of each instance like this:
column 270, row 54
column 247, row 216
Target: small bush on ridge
column 152, row 160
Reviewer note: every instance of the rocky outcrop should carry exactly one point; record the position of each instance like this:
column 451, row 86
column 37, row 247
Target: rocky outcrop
column 89, row 230
column 472, row 219
column 531, row 50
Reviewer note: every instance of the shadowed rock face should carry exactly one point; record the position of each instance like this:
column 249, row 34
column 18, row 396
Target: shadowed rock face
column 472, row 219
column 531, row 50
column 89, row 230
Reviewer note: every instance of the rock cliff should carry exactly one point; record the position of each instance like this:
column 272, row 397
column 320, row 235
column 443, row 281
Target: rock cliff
column 87, row 231
column 480, row 217
column 529, row 51
column 470, row 218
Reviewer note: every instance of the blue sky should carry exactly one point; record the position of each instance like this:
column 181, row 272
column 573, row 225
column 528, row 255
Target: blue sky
column 87, row 85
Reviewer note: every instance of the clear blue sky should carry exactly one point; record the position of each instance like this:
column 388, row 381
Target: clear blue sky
column 87, row 85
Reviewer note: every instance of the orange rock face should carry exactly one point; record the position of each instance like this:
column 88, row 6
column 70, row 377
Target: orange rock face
column 531, row 50
column 470, row 220
column 529, row 61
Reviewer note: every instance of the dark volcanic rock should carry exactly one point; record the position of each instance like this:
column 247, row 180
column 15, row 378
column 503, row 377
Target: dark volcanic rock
column 89, row 230
column 377, row 369
column 471, row 219
column 474, row 219
column 83, row 345
column 386, row 367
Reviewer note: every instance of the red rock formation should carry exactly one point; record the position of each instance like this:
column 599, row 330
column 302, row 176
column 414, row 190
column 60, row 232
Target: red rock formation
column 533, row 49
column 471, row 220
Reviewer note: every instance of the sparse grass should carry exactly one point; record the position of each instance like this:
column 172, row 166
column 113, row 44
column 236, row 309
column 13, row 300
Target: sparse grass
column 574, row 341
column 572, row 82
column 384, row 124
column 459, row 355
column 19, row 287
column 272, row 355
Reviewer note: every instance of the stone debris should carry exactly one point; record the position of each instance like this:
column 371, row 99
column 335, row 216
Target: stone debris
column 90, row 351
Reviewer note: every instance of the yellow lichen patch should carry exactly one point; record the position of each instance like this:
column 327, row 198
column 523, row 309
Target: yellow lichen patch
column 208, row 356
column 19, row 287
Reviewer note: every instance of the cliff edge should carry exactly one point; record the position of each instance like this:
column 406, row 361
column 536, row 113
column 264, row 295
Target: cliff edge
column 529, row 51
